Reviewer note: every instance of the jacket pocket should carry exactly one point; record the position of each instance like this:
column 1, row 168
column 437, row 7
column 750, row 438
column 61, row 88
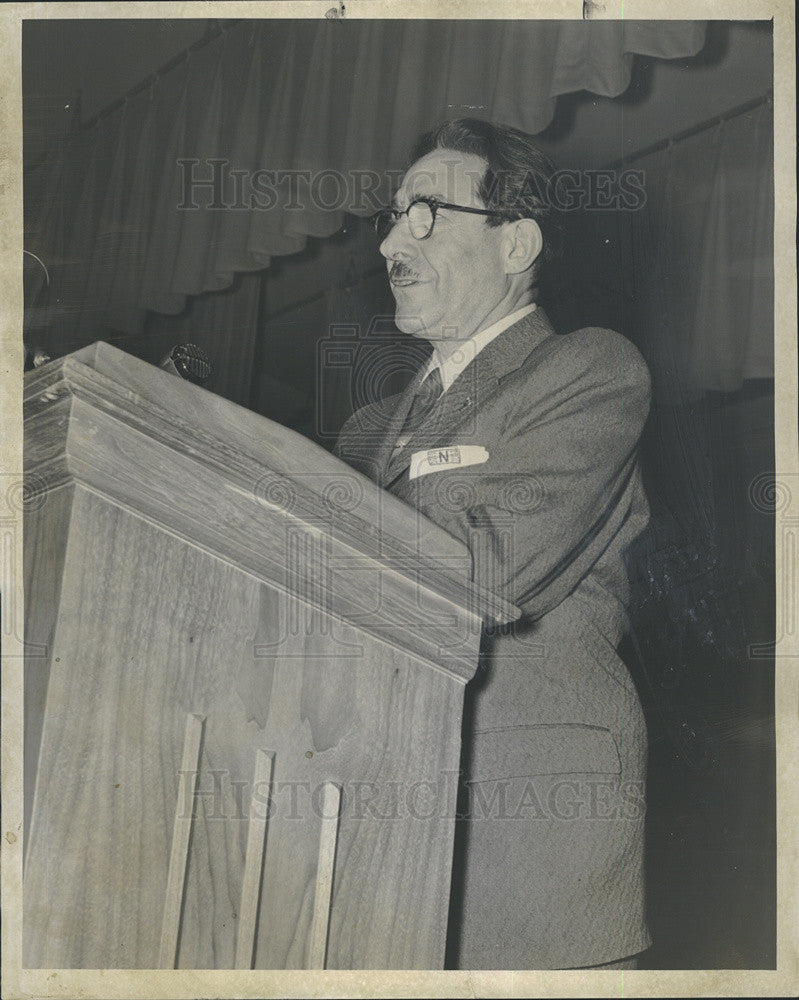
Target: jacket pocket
column 561, row 748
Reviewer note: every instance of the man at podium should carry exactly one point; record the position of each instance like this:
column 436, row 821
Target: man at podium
column 523, row 444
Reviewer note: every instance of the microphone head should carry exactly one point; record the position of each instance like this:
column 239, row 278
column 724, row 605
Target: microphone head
column 189, row 362
column 35, row 357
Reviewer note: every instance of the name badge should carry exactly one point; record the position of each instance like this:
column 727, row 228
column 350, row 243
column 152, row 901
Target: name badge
column 438, row 459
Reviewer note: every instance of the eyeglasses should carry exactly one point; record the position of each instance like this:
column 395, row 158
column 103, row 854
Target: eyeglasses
column 421, row 217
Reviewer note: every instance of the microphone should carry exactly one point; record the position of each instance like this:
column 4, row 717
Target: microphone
column 35, row 357
column 189, row 362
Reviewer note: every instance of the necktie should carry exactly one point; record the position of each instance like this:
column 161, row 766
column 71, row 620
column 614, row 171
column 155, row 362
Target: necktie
column 427, row 395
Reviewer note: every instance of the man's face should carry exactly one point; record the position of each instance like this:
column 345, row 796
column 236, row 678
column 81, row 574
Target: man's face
column 447, row 285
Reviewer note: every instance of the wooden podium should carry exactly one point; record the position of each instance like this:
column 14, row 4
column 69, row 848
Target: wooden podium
column 243, row 688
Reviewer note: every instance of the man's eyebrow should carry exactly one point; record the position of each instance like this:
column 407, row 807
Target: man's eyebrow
column 428, row 196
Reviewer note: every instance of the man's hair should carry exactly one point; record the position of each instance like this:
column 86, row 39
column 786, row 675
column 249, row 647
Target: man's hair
column 516, row 183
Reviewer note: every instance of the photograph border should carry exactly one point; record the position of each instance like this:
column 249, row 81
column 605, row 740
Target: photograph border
column 19, row 982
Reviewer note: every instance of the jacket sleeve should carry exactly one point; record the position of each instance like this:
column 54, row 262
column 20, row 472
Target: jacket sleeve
column 359, row 439
column 566, row 481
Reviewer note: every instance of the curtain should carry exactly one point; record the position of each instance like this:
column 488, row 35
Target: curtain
column 328, row 108
column 708, row 292
column 688, row 276
column 732, row 338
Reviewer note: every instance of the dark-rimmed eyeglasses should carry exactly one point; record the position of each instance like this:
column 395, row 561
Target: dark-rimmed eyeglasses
column 421, row 214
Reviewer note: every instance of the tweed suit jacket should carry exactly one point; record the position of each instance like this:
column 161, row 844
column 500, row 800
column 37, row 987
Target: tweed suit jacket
column 530, row 458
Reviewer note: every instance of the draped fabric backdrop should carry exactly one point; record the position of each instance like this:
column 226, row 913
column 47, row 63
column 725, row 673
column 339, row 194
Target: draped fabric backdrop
column 314, row 95
column 689, row 278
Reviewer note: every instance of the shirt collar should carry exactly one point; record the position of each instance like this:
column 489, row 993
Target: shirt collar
column 452, row 367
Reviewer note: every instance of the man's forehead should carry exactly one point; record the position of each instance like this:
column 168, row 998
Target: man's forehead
column 444, row 174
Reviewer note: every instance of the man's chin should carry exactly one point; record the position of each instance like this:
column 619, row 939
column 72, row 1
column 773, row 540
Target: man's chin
column 410, row 324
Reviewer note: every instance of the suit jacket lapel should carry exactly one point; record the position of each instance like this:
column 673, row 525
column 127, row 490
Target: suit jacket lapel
column 476, row 383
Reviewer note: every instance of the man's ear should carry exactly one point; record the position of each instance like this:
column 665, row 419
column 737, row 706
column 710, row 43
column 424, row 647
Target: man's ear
column 524, row 243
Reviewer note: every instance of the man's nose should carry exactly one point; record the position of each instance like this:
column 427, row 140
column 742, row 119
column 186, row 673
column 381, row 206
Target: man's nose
column 398, row 244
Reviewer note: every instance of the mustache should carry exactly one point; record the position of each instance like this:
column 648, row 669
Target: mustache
column 399, row 271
